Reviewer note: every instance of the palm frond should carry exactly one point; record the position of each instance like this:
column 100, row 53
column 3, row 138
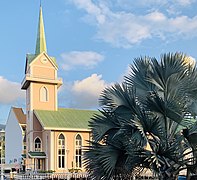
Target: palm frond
column 143, row 125
column 116, row 95
column 102, row 124
column 106, row 160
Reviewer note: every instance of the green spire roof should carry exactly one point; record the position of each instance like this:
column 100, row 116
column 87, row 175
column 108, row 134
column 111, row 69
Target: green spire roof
column 41, row 41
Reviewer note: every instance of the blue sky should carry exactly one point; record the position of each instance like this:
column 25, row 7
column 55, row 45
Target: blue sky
column 93, row 41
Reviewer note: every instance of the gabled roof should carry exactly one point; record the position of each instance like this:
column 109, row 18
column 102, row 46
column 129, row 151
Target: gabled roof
column 21, row 117
column 68, row 119
column 31, row 57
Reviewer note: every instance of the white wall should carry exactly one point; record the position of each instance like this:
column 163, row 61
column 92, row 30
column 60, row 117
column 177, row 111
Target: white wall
column 13, row 139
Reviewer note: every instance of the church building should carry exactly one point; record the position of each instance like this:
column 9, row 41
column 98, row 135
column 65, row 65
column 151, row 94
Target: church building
column 54, row 136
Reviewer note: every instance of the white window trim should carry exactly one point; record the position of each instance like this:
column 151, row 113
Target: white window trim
column 45, row 99
column 75, row 151
column 40, row 144
column 65, row 147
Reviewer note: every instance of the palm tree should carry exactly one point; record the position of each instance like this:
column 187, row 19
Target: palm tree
column 142, row 122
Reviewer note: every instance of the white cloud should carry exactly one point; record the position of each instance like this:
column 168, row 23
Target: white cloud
column 85, row 93
column 126, row 4
column 91, row 8
column 10, row 92
column 153, row 4
column 88, row 59
column 184, row 2
column 156, row 17
column 124, row 28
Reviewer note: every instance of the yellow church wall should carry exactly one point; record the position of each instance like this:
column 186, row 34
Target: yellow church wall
column 27, row 108
column 70, row 148
column 28, row 70
column 43, row 72
column 43, row 67
column 28, row 97
column 51, row 104
column 43, row 60
column 46, row 144
column 36, row 124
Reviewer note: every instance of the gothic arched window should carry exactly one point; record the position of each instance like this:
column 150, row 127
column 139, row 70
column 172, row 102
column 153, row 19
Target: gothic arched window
column 61, row 151
column 78, row 151
column 44, row 94
column 37, row 144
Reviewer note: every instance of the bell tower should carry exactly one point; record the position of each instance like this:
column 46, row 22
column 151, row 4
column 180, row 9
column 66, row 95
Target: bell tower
column 40, row 82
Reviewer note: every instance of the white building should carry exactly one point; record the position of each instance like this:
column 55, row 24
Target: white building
column 15, row 136
column 2, row 144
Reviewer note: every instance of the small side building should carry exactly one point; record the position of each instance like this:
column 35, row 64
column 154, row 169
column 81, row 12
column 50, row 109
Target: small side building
column 15, row 137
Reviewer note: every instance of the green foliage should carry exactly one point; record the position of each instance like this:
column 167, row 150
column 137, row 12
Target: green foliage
column 49, row 171
column 74, row 170
column 143, row 122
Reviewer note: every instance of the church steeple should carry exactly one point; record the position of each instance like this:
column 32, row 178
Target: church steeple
column 41, row 41
column 41, row 73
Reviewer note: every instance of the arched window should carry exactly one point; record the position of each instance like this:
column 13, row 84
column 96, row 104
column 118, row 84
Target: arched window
column 61, row 151
column 78, row 151
column 44, row 96
column 37, row 144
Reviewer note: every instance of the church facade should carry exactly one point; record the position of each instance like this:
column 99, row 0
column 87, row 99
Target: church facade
column 54, row 136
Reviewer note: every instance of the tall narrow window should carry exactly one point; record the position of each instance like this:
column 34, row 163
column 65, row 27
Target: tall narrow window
column 61, row 151
column 37, row 144
column 44, row 96
column 78, row 151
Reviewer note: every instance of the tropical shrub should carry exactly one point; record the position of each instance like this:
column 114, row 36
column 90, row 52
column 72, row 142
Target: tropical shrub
column 147, row 122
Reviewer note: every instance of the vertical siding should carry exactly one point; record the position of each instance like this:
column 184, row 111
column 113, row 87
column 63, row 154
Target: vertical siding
column 13, row 139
